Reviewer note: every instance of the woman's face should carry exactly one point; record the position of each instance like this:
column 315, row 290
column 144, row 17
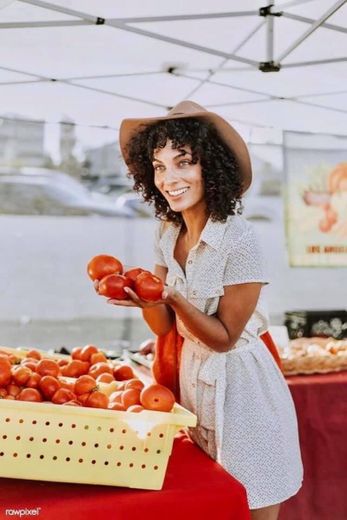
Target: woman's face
column 177, row 178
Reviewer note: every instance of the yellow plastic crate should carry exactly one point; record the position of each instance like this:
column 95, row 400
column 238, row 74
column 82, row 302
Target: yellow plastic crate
column 43, row 441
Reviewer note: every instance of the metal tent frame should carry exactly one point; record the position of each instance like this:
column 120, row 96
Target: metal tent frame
column 274, row 61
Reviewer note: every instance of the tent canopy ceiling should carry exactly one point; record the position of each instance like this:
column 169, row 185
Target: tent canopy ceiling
column 98, row 62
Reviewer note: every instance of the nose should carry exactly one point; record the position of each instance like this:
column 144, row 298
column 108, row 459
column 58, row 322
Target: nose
column 171, row 175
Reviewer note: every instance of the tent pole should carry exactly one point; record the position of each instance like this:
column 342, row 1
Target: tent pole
column 313, row 27
column 270, row 35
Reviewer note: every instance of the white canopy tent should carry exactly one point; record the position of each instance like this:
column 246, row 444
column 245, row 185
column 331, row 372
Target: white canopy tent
column 96, row 62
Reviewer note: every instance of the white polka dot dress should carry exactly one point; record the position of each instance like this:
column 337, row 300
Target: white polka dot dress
column 246, row 416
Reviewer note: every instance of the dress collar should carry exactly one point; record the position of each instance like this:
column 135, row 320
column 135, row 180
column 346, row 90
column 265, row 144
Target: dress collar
column 212, row 234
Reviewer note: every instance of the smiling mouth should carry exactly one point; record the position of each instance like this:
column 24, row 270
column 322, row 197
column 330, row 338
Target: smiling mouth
column 177, row 193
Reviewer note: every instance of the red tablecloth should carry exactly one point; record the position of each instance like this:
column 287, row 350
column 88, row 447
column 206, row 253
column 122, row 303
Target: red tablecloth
column 321, row 405
column 195, row 487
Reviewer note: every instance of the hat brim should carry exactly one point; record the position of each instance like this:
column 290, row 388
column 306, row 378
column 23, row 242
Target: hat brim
column 230, row 137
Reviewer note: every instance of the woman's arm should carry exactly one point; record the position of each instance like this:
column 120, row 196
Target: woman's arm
column 219, row 332
column 159, row 318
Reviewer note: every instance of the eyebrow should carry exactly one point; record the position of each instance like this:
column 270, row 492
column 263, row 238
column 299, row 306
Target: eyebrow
column 183, row 152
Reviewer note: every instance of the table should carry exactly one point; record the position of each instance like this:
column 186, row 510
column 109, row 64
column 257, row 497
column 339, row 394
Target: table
column 195, row 487
column 321, row 405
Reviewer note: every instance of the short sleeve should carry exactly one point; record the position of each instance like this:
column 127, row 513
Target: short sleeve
column 245, row 262
column 158, row 253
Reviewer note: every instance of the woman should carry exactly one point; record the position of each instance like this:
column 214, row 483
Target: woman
column 195, row 167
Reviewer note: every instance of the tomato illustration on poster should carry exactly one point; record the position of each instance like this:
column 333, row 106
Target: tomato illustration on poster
column 316, row 199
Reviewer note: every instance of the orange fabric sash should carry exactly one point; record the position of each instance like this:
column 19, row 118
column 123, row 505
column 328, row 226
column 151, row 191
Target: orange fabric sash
column 167, row 357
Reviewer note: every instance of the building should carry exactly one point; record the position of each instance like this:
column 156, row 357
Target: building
column 105, row 161
column 21, row 142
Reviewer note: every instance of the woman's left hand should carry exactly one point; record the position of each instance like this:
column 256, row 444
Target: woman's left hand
column 168, row 297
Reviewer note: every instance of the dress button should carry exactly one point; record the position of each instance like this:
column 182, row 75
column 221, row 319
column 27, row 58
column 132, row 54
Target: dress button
column 190, row 261
column 194, row 293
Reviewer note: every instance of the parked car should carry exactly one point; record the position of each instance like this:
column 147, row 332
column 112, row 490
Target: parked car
column 134, row 203
column 39, row 191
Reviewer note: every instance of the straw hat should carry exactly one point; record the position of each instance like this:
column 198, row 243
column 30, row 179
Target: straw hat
column 228, row 134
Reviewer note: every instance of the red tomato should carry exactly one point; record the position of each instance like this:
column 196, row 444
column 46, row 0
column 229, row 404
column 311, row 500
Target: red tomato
column 105, row 378
column 135, row 408
column 149, row 287
column 97, row 358
column 87, row 352
column 75, row 368
column 30, row 363
column 131, row 397
column 133, row 273
column 116, row 397
column 97, row 400
column 103, row 265
column 5, row 372
column 33, row 381
column 85, row 384
column 63, row 395
column 48, row 367
column 13, row 389
column 35, row 354
column 76, row 352
column 82, row 398
column 29, row 394
column 3, row 393
column 112, row 286
column 48, row 385
column 99, row 368
column 157, row 397
column 123, row 372
column 70, row 385
column 11, row 358
column 62, row 362
column 134, row 383
column 116, row 406
column 20, row 375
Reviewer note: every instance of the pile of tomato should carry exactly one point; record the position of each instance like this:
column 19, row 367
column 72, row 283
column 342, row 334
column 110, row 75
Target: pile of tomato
column 39, row 379
column 112, row 278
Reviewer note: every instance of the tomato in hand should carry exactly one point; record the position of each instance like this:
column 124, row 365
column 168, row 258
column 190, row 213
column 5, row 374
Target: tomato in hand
column 132, row 274
column 103, row 265
column 157, row 397
column 112, row 286
column 148, row 287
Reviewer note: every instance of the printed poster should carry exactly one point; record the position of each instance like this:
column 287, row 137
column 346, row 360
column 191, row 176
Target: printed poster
column 316, row 199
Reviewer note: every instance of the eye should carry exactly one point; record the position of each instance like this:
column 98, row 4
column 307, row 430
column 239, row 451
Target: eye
column 185, row 163
column 158, row 168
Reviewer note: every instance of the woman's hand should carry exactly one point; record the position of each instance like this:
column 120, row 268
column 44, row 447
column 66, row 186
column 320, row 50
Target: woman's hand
column 168, row 297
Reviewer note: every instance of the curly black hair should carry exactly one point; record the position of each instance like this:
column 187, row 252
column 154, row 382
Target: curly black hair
column 220, row 171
